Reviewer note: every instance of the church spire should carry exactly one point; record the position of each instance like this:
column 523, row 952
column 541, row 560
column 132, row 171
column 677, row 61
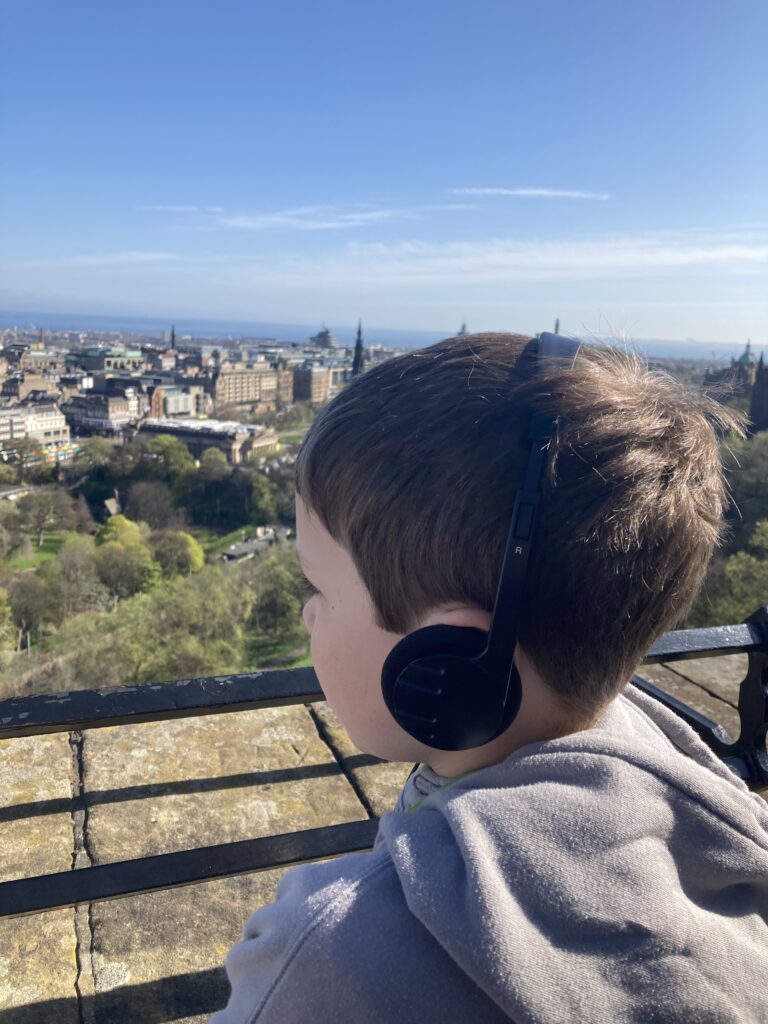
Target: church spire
column 358, row 363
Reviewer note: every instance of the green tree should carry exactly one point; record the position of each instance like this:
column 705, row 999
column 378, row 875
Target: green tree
column 25, row 453
column 74, row 578
column 83, row 520
column 263, row 506
column 94, row 453
column 284, row 491
column 278, row 597
column 168, row 459
column 10, row 527
column 7, row 626
column 747, row 472
column 128, row 460
column 151, row 502
column 47, row 509
column 119, row 528
column 29, row 606
column 192, row 625
column 735, row 586
column 214, row 465
column 125, row 569
column 177, row 553
column 241, row 497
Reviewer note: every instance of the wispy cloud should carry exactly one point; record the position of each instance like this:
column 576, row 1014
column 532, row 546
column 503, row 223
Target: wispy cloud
column 506, row 261
column 313, row 218
column 536, row 193
column 725, row 253
column 310, row 217
column 166, row 208
column 335, row 217
column 106, row 259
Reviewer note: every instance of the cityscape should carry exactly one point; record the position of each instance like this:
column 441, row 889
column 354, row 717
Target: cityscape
column 59, row 387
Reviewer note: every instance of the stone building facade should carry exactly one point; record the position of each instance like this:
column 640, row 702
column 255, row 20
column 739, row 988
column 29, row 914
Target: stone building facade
column 238, row 441
column 312, row 383
column 746, row 377
column 98, row 414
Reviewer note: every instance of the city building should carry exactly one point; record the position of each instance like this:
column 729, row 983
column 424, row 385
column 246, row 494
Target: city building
column 170, row 400
column 239, row 441
column 40, row 360
column 41, row 422
column 46, row 424
column 312, row 383
column 739, row 377
column 746, row 377
column 95, row 413
column 95, row 359
column 259, row 384
column 325, row 339
column 13, row 428
column 234, row 384
column 21, row 383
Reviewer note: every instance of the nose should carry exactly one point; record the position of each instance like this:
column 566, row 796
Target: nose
column 308, row 614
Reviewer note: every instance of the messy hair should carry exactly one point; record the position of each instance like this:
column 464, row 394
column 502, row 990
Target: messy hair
column 413, row 468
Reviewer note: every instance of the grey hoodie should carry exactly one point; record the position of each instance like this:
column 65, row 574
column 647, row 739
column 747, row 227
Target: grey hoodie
column 615, row 875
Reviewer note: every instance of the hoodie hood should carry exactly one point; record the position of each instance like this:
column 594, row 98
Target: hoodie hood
column 620, row 872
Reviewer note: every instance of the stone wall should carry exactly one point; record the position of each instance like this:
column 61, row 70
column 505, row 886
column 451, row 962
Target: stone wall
column 72, row 800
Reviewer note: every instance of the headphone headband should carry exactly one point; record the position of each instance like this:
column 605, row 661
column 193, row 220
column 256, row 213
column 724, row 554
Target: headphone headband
column 555, row 348
column 452, row 687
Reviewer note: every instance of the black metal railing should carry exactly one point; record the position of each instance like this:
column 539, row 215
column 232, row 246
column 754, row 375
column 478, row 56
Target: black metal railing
column 92, row 709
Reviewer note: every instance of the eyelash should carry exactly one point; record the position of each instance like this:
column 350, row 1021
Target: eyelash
column 309, row 588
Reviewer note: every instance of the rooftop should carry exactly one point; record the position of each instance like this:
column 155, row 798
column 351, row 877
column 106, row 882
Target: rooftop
column 204, row 426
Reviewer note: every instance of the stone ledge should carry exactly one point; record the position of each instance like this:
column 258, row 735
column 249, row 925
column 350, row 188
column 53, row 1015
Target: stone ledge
column 38, row 955
column 158, row 787
column 147, row 789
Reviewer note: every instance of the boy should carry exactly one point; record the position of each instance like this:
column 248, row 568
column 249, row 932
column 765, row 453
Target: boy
column 593, row 861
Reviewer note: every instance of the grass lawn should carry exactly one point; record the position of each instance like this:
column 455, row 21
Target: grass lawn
column 304, row 662
column 265, row 653
column 204, row 537
column 292, row 438
column 214, row 543
column 51, row 545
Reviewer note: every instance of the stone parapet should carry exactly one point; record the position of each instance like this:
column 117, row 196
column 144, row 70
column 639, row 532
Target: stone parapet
column 71, row 800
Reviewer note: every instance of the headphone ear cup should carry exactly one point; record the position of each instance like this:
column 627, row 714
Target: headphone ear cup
column 423, row 643
column 438, row 694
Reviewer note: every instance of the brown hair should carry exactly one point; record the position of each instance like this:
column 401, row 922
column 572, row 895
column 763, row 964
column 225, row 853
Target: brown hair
column 413, row 468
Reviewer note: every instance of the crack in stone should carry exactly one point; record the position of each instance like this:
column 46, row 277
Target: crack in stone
column 325, row 736
column 85, row 985
column 670, row 666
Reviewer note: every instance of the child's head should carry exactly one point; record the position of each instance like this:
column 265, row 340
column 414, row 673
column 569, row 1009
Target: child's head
column 412, row 470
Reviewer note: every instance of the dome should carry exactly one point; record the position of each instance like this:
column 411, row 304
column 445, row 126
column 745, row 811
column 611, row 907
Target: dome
column 748, row 357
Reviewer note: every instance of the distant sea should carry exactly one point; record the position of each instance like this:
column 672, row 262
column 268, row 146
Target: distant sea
column 714, row 351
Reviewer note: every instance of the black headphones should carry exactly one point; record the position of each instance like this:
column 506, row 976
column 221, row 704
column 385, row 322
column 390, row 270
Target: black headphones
column 456, row 687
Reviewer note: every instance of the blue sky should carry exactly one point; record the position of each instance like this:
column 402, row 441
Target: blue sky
column 416, row 164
